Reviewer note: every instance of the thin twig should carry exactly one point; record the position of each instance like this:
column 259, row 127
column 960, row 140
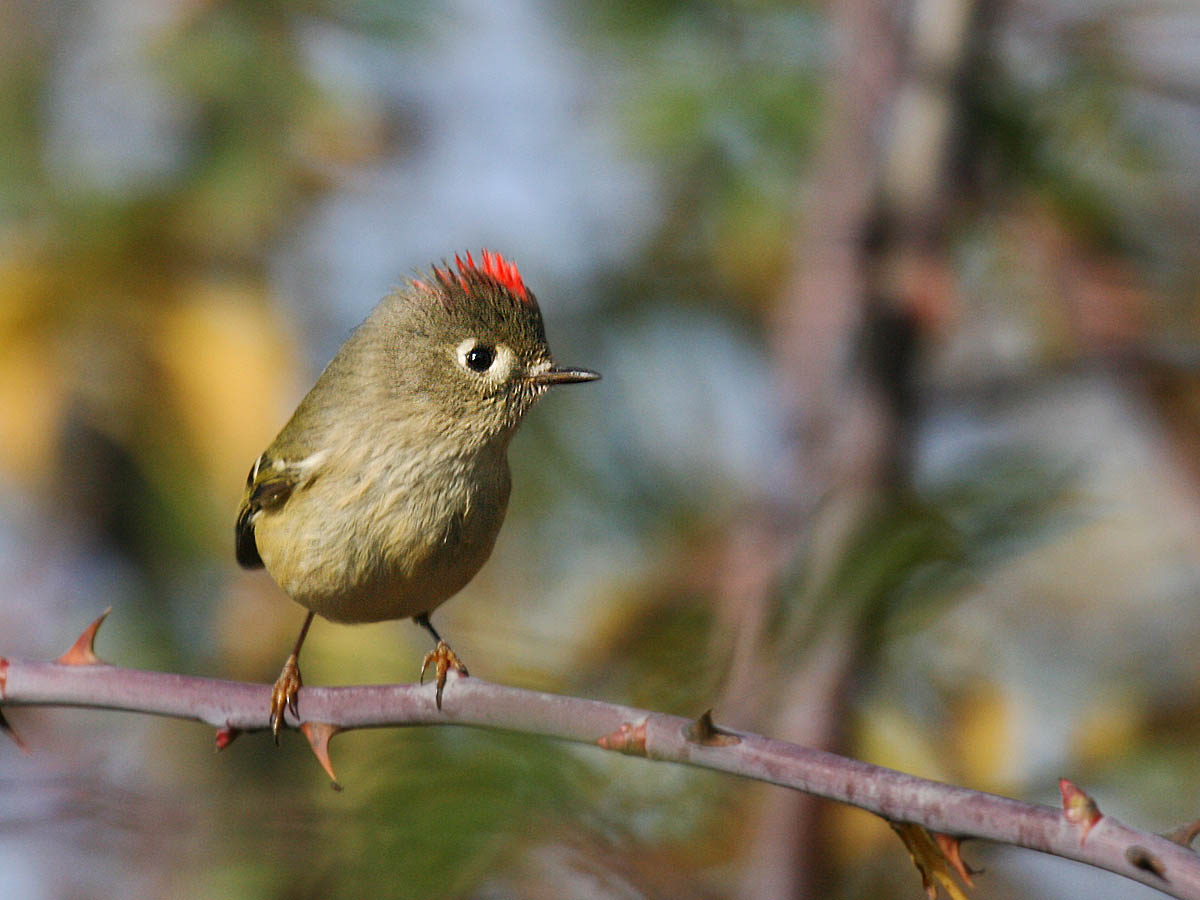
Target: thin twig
column 1078, row 831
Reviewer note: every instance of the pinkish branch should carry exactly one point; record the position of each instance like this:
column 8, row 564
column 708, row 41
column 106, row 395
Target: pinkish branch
column 1078, row 831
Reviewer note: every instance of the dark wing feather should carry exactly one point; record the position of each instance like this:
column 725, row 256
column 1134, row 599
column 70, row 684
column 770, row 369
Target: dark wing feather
column 245, row 548
column 267, row 490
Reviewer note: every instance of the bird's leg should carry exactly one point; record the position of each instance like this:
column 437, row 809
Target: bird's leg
column 441, row 656
column 288, row 684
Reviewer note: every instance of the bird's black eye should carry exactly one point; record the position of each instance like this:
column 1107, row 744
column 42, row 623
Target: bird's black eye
column 480, row 359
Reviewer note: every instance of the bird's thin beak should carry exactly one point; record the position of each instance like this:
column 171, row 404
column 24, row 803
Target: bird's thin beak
column 564, row 376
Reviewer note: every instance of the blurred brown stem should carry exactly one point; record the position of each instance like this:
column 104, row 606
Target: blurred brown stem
column 870, row 283
column 236, row 707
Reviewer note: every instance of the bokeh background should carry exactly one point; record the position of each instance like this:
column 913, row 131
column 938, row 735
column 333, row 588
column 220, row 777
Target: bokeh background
column 896, row 452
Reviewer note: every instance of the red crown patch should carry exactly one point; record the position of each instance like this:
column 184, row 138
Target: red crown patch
column 495, row 268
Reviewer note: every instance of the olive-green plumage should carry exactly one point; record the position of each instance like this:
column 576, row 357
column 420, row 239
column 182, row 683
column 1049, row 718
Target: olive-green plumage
column 384, row 493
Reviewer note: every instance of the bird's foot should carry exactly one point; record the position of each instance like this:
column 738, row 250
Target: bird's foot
column 283, row 694
column 443, row 660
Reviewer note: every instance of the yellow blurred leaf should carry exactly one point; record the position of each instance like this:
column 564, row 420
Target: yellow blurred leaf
column 1108, row 728
column 24, row 285
column 231, row 368
column 888, row 737
column 32, row 396
column 982, row 736
column 32, row 387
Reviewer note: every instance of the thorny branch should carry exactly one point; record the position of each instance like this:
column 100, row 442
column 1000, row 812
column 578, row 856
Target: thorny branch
column 1077, row 831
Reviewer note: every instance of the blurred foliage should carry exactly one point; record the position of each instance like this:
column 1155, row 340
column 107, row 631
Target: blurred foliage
column 469, row 803
column 665, row 656
column 1063, row 129
column 140, row 315
column 913, row 553
column 726, row 98
column 145, row 360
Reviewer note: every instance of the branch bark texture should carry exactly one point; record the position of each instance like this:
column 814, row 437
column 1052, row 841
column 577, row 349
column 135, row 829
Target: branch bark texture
column 236, row 707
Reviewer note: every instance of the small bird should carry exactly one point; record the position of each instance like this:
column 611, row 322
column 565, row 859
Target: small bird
column 383, row 495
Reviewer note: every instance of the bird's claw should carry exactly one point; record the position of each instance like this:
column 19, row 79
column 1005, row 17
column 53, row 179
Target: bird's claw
column 443, row 659
column 283, row 695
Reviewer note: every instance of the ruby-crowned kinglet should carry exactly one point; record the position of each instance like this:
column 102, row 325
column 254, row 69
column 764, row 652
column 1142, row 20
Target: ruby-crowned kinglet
column 382, row 496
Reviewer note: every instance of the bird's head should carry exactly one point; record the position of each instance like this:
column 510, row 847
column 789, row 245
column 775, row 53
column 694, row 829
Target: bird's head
column 470, row 347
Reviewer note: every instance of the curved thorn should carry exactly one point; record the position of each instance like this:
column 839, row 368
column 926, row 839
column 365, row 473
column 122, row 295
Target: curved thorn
column 226, row 736
column 1184, row 834
column 703, row 731
column 83, row 651
column 951, row 848
column 318, row 734
column 16, row 738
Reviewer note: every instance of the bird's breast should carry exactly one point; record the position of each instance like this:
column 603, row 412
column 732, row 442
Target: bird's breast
column 395, row 538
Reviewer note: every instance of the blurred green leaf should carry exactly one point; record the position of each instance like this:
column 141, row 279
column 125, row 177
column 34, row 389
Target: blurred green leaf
column 912, row 554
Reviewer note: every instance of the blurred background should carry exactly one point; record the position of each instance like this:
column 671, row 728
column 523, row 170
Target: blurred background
column 896, row 452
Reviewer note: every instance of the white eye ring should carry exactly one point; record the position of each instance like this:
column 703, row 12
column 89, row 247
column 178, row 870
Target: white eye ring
column 481, row 358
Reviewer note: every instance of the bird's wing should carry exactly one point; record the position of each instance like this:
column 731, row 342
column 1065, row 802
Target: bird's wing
column 268, row 488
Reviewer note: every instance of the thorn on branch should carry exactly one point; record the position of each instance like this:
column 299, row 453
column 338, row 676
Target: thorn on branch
column 4, row 725
column 630, row 739
column 1079, row 808
column 928, row 853
column 1183, row 835
column 83, row 651
column 951, row 848
column 226, row 736
column 703, row 731
column 318, row 734
column 16, row 738
column 1141, row 858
